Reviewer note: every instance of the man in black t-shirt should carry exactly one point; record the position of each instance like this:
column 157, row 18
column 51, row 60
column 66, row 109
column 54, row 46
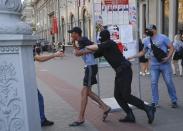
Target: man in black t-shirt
column 123, row 80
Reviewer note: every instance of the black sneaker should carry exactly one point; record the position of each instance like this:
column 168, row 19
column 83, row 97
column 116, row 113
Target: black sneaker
column 155, row 105
column 47, row 123
column 130, row 118
column 150, row 111
column 174, row 105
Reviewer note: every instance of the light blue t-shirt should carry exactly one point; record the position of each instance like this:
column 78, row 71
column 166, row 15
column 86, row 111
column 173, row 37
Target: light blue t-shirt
column 89, row 59
column 161, row 41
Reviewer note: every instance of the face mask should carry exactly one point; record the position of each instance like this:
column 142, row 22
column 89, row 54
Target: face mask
column 149, row 33
column 102, row 40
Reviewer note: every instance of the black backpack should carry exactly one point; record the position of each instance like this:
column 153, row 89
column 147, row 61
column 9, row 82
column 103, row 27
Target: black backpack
column 158, row 52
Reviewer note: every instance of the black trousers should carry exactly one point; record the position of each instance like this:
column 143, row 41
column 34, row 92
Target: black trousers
column 122, row 91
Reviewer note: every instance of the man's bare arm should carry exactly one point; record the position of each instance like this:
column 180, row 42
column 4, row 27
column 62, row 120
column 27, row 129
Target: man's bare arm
column 92, row 47
column 82, row 52
column 43, row 58
column 171, row 50
column 170, row 53
column 142, row 53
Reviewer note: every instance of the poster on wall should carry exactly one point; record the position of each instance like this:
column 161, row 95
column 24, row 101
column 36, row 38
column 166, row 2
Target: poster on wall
column 116, row 18
column 114, row 13
column 126, row 33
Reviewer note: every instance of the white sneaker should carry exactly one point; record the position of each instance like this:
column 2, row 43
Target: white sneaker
column 147, row 73
column 142, row 74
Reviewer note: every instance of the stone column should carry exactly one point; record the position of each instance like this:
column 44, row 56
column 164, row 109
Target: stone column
column 172, row 19
column 160, row 16
column 18, row 90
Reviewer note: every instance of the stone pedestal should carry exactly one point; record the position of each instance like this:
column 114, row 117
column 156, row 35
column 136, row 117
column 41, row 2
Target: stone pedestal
column 18, row 88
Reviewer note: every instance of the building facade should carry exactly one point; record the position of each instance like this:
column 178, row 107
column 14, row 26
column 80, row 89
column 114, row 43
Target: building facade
column 166, row 14
column 66, row 14
column 28, row 14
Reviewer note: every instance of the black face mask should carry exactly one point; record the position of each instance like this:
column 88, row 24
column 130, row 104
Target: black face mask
column 102, row 40
column 149, row 33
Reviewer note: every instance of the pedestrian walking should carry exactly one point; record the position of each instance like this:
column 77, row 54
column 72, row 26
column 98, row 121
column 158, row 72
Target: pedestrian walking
column 123, row 80
column 144, row 63
column 160, row 49
column 178, row 55
column 91, row 70
column 42, row 58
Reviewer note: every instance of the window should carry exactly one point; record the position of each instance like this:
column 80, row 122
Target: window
column 85, row 31
column 179, row 15
column 166, row 11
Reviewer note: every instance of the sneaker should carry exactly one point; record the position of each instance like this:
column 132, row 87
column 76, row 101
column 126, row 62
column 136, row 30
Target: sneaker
column 155, row 105
column 47, row 123
column 174, row 105
column 142, row 74
column 130, row 118
column 150, row 111
column 147, row 73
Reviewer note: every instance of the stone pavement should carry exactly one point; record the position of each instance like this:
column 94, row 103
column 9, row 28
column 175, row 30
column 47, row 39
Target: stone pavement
column 60, row 82
column 60, row 111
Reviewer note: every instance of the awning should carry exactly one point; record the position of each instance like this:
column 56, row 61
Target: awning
column 117, row 2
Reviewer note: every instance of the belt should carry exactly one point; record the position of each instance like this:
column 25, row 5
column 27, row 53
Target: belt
column 123, row 66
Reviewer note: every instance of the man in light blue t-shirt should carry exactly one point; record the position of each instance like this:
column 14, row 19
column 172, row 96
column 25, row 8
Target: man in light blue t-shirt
column 161, row 41
column 91, row 70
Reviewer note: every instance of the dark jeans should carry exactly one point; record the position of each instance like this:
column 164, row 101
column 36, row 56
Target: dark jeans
column 41, row 107
column 122, row 92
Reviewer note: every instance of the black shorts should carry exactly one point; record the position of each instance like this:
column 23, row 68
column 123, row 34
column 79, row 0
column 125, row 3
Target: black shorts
column 142, row 59
column 177, row 56
column 90, row 75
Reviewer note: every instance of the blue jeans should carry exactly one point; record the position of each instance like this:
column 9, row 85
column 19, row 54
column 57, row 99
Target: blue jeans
column 166, row 71
column 41, row 107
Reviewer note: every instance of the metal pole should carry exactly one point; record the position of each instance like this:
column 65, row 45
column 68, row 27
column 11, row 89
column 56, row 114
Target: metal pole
column 59, row 29
column 67, row 22
column 78, row 4
column 138, row 37
column 94, row 39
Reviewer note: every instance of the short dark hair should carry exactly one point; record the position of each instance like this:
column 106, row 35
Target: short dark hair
column 76, row 30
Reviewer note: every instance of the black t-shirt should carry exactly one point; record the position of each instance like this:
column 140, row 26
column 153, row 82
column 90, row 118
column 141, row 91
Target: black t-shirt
column 111, row 53
column 83, row 42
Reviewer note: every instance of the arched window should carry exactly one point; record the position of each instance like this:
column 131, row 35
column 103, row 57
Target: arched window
column 72, row 21
column 85, row 23
column 63, row 29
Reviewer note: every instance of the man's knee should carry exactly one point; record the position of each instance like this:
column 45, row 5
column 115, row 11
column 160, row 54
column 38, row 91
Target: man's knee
column 85, row 91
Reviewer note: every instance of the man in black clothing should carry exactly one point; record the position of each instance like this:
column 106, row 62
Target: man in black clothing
column 123, row 80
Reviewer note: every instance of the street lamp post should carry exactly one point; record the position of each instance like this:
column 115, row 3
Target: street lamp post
column 138, row 37
column 18, row 92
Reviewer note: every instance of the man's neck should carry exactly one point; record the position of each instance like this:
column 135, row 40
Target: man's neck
column 154, row 35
